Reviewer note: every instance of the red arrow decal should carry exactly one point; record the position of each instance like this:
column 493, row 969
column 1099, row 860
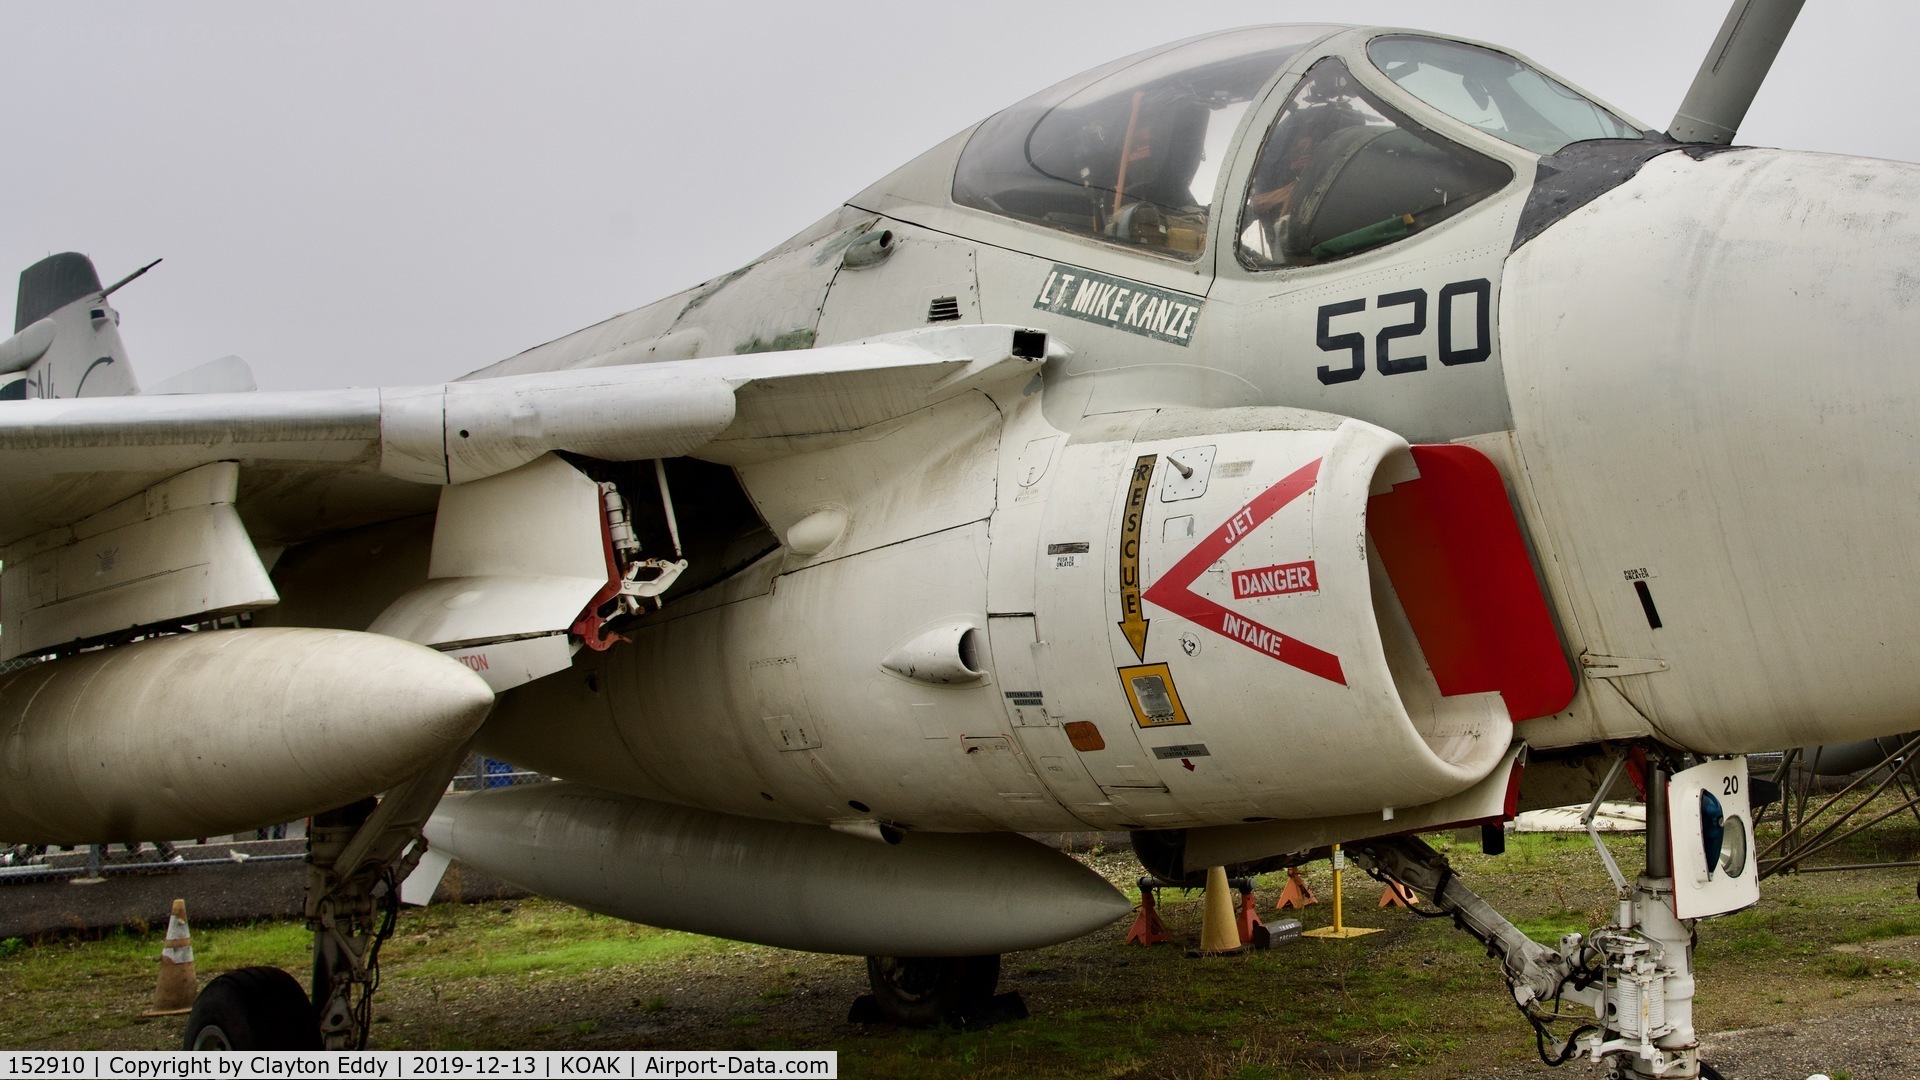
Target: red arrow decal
column 1174, row 590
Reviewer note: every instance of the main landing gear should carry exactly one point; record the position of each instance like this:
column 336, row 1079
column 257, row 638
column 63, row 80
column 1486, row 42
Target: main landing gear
column 356, row 858
column 1634, row 975
column 255, row 1008
column 921, row 991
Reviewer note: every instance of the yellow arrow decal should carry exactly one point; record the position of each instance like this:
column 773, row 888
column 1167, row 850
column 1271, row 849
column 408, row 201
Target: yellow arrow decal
column 1131, row 624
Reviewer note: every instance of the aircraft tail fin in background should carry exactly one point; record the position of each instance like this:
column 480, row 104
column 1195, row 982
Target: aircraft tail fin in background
column 66, row 340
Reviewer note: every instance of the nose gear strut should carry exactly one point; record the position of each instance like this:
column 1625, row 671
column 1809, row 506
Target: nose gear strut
column 1635, row 975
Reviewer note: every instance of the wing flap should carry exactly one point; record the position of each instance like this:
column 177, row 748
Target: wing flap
column 516, row 557
column 175, row 551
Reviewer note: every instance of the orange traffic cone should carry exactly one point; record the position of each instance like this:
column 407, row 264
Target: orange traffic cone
column 177, row 987
column 1398, row 895
column 1296, row 894
column 1147, row 927
column 1248, row 914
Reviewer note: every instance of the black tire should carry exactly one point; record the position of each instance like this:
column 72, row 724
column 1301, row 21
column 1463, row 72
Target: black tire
column 921, row 991
column 979, row 978
column 255, row 1008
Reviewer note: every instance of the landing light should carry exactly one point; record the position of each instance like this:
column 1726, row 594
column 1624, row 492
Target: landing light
column 1734, row 858
column 1713, row 829
column 1713, row 868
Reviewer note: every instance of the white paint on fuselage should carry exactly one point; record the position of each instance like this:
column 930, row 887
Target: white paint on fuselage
column 1709, row 377
column 1698, row 372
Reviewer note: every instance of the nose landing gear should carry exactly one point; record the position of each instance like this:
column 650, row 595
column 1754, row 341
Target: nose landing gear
column 1635, row 975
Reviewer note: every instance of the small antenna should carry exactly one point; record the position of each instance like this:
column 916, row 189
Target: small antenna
column 109, row 290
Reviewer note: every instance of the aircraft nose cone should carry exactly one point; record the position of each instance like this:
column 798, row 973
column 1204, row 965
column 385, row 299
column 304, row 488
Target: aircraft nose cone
column 1711, row 370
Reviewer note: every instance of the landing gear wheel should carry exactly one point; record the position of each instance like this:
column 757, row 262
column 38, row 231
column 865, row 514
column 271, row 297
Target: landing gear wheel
column 914, row 991
column 979, row 978
column 921, row 991
column 256, row 1008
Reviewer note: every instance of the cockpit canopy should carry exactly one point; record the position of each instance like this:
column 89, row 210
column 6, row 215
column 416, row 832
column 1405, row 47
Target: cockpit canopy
column 1131, row 153
column 1494, row 92
column 1342, row 171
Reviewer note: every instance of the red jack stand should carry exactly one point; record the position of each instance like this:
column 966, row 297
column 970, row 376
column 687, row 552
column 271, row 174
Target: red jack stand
column 1398, row 895
column 1147, row 927
column 1248, row 914
column 1296, row 894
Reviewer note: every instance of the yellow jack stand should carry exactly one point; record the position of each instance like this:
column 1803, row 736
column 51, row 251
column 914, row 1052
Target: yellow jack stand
column 1339, row 929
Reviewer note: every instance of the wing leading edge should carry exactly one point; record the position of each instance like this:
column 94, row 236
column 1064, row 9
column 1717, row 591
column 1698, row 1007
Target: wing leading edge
column 86, row 473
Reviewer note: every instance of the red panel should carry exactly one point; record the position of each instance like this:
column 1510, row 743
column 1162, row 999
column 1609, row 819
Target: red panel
column 1453, row 551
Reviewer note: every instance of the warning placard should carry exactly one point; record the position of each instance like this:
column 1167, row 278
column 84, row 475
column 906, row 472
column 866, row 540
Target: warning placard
column 1150, row 691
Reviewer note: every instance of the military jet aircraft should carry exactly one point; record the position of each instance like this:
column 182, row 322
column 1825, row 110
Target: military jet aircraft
column 1289, row 436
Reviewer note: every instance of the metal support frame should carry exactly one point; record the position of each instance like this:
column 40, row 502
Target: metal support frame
column 1806, row 832
column 661, row 573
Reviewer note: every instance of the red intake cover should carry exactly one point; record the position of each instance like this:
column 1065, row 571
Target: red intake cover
column 1453, row 551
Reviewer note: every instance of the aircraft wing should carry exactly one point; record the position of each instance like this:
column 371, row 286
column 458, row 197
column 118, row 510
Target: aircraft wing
column 120, row 512
column 364, row 454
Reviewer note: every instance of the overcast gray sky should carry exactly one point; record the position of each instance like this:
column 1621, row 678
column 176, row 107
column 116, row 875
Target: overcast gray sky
column 382, row 193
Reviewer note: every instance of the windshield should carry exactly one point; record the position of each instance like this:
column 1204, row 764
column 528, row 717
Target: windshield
column 1342, row 172
column 1130, row 153
column 1495, row 93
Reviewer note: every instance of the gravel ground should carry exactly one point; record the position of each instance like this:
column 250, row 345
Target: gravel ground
column 1865, row 1042
column 1861, row 1041
column 1877, row 1041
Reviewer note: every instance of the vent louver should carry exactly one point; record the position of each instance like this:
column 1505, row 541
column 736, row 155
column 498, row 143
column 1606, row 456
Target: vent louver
column 943, row 309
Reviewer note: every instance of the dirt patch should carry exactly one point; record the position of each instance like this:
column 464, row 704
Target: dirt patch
column 1907, row 945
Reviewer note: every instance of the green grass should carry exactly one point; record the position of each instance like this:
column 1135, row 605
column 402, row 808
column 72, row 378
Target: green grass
column 537, row 939
column 1419, row 1000
column 496, row 957
column 1906, row 925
